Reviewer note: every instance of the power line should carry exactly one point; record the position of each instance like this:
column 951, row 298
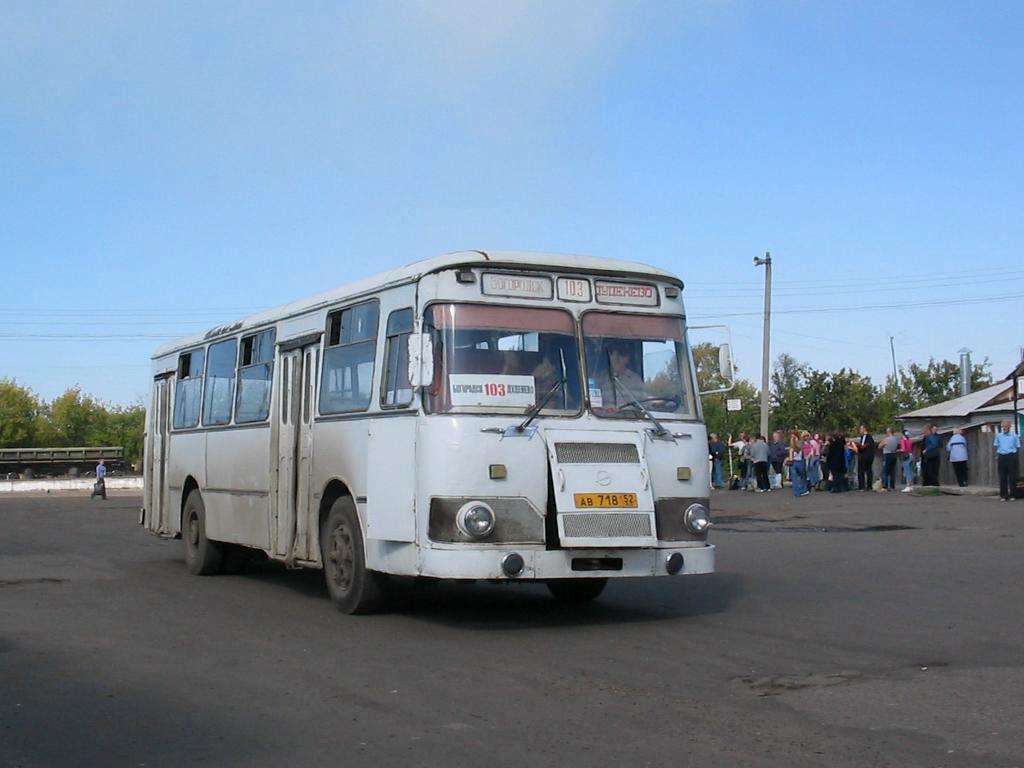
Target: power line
column 729, row 293
column 857, row 280
column 901, row 306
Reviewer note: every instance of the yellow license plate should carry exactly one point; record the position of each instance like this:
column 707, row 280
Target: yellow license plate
column 604, row 500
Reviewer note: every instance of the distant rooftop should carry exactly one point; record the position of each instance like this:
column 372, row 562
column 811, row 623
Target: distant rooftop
column 961, row 406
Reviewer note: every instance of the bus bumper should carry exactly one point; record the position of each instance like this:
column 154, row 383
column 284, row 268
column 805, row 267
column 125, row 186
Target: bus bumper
column 564, row 563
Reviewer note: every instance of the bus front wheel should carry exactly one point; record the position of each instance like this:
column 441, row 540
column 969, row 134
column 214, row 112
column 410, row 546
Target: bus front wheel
column 576, row 590
column 352, row 586
column 202, row 556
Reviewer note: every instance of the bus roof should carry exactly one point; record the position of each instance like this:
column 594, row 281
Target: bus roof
column 414, row 271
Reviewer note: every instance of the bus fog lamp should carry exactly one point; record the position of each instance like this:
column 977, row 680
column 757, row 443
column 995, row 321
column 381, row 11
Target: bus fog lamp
column 475, row 520
column 674, row 563
column 696, row 518
column 512, row 564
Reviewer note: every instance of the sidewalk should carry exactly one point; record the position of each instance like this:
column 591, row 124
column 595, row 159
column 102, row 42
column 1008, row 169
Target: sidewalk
column 955, row 490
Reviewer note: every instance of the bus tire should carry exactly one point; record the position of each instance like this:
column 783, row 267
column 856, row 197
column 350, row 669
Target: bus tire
column 202, row 556
column 352, row 586
column 576, row 590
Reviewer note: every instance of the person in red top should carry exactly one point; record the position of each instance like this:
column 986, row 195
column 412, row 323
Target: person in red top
column 907, row 456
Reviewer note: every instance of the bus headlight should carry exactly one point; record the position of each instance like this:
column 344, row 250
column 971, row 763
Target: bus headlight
column 696, row 518
column 475, row 519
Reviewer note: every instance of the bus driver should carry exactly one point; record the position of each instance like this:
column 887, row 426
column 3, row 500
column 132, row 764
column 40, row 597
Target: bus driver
column 624, row 384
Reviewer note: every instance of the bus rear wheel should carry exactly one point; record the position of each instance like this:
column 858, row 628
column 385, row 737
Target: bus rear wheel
column 576, row 590
column 352, row 586
column 202, row 556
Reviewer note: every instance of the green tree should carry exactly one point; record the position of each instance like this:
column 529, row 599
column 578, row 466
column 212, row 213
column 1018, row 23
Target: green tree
column 843, row 400
column 723, row 422
column 705, row 361
column 18, row 410
column 788, row 404
column 938, row 381
column 124, row 427
column 74, row 419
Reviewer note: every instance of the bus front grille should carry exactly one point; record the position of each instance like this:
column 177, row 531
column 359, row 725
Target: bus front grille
column 607, row 525
column 597, row 453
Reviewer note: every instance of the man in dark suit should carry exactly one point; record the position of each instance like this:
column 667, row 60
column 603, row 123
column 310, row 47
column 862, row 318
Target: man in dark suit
column 865, row 459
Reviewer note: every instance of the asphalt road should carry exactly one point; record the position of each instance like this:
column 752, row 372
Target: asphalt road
column 859, row 630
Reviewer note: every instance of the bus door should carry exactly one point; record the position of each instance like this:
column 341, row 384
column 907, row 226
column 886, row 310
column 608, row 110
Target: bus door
column 295, row 451
column 156, row 457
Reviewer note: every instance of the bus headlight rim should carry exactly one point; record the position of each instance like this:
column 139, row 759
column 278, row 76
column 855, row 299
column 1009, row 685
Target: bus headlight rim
column 475, row 519
column 696, row 518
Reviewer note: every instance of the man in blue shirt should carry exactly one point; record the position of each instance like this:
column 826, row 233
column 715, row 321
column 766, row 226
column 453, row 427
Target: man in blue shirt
column 99, row 488
column 1007, row 444
column 931, row 449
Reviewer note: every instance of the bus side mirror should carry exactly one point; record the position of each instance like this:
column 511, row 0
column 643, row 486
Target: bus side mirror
column 421, row 360
column 725, row 362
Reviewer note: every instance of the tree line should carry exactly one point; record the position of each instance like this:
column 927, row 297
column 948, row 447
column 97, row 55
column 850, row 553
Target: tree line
column 72, row 419
column 802, row 397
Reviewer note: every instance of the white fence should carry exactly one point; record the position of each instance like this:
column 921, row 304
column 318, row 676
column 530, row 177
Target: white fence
column 70, row 484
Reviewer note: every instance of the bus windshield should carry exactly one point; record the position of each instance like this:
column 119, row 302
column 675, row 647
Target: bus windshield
column 503, row 359
column 637, row 359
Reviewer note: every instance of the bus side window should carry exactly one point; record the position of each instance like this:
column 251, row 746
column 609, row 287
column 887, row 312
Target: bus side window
column 347, row 377
column 188, row 389
column 220, row 382
column 255, row 374
column 396, row 390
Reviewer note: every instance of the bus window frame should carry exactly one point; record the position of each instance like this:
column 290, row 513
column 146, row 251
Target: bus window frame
column 325, row 345
column 661, row 415
column 177, row 378
column 483, row 410
column 206, row 377
column 272, row 330
column 403, row 349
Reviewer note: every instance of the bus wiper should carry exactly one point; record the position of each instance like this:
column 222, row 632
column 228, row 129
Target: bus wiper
column 659, row 430
column 533, row 410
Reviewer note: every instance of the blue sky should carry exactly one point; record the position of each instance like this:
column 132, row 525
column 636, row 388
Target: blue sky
column 168, row 166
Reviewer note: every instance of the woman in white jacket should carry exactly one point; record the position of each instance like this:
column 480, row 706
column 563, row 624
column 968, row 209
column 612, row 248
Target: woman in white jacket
column 957, row 450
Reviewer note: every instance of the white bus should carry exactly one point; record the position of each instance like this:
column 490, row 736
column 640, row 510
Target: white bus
column 480, row 415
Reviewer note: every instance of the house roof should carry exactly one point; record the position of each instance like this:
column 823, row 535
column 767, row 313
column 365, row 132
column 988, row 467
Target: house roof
column 960, row 406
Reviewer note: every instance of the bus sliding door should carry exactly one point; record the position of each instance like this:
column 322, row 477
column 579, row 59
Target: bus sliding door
column 294, row 452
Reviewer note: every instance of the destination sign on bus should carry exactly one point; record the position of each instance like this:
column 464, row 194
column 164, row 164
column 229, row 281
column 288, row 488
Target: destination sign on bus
column 481, row 389
column 517, row 286
column 634, row 294
column 573, row 289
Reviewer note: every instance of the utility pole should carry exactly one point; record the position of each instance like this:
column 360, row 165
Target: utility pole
column 766, row 262
column 895, row 376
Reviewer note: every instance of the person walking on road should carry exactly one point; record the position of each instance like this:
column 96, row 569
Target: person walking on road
column 99, row 488
column 931, row 448
column 1007, row 445
column 865, row 459
column 890, row 447
column 957, row 450
column 716, row 450
column 907, row 453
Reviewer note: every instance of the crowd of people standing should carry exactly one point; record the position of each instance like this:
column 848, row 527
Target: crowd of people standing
column 835, row 462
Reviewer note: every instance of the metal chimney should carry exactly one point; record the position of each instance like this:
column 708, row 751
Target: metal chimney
column 965, row 371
